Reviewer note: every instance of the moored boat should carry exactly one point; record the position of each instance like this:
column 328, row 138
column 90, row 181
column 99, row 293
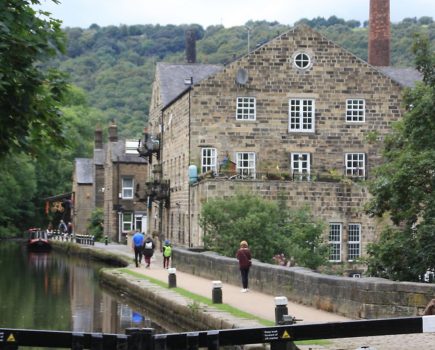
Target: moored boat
column 38, row 240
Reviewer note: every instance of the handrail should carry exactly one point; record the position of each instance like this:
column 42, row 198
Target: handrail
column 146, row 339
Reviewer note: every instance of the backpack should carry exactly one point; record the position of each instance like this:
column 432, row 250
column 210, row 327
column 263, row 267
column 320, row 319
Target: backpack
column 167, row 251
column 149, row 245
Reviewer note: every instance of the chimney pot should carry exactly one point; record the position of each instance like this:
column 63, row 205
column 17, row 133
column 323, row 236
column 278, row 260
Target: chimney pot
column 113, row 132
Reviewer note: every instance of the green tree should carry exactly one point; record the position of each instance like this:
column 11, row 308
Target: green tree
column 269, row 227
column 17, row 188
column 29, row 95
column 404, row 184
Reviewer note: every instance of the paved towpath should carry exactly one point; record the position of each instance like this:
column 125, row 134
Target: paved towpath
column 262, row 305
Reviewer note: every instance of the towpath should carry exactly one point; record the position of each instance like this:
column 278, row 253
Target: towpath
column 262, row 305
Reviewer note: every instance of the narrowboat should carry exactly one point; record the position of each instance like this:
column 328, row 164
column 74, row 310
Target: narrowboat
column 38, row 240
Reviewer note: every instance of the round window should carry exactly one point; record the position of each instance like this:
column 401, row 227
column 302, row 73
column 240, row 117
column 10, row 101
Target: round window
column 302, row 60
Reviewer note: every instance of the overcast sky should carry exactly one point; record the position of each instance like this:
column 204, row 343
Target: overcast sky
column 83, row 13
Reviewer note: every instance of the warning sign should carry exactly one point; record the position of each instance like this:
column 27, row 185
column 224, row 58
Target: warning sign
column 285, row 335
column 11, row 338
column 271, row 335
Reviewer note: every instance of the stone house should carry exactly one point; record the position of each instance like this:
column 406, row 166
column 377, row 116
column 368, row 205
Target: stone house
column 112, row 180
column 298, row 116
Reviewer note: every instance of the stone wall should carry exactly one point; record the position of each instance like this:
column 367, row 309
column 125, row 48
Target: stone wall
column 334, row 202
column 358, row 298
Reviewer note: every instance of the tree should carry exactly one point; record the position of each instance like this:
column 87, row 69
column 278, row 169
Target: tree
column 29, row 94
column 404, row 184
column 269, row 227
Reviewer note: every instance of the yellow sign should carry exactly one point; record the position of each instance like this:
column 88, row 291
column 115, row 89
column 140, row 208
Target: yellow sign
column 11, row 338
column 285, row 335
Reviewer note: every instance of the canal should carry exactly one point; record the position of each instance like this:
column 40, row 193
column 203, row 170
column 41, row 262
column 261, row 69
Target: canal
column 53, row 291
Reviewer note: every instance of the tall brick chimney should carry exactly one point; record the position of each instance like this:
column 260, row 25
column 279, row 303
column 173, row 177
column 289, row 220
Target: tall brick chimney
column 113, row 132
column 190, row 41
column 98, row 138
column 379, row 33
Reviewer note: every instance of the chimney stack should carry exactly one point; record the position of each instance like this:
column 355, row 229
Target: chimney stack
column 190, row 40
column 98, row 138
column 113, row 132
column 379, row 33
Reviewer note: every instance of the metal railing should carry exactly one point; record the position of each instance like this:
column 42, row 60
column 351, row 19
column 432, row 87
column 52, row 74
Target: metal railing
column 214, row 339
column 80, row 239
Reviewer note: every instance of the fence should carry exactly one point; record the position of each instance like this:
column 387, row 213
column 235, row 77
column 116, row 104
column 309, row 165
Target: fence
column 279, row 335
column 80, row 239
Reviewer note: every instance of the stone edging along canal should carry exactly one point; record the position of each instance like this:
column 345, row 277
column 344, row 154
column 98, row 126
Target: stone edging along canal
column 182, row 313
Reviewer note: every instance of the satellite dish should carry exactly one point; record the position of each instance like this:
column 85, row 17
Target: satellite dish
column 242, row 76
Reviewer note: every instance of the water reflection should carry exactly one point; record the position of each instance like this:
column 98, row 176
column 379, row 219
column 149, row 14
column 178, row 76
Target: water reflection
column 56, row 292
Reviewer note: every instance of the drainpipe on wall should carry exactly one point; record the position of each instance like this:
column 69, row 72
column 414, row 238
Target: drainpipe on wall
column 188, row 198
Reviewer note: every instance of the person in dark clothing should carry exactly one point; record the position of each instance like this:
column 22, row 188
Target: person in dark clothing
column 244, row 257
column 137, row 245
column 148, row 250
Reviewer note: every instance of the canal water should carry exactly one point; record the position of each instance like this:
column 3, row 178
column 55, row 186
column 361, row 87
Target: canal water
column 53, row 291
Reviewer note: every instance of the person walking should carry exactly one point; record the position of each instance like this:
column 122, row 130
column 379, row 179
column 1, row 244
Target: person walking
column 167, row 252
column 137, row 245
column 148, row 250
column 244, row 257
column 62, row 227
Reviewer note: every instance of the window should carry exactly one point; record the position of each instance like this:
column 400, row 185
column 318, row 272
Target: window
column 208, row 159
column 127, row 188
column 131, row 147
column 355, row 164
column 354, row 242
column 302, row 60
column 300, row 165
column 127, row 222
column 245, row 108
column 246, row 164
column 335, row 242
column 301, row 115
column 355, row 110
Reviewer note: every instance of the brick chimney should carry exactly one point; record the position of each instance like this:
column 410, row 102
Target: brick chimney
column 379, row 33
column 190, row 40
column 113, row 132
column 98, row 138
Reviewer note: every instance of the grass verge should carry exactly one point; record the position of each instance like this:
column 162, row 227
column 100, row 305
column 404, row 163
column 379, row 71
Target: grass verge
column 223, row 307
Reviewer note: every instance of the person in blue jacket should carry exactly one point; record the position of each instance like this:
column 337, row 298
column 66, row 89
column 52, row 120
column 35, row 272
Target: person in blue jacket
column 137, row 245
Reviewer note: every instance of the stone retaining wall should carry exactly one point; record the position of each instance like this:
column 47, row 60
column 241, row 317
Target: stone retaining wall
column 358, row 298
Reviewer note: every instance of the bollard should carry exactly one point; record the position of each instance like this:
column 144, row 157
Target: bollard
column 281, row 318
column 106, row 240
column 172, row 278
column 216, row 293
column 280, row 309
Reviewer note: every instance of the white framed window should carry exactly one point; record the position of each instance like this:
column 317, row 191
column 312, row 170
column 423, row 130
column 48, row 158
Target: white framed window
column 355, row 164
column 301, row 60
column 355, row 110
column 127, row 222
column 245, row 164
column 335, row 233
column 131, row 146
column 300, row 165
column 246, row 108
column 301, row 115
column 208, row 160
column 354, row 242
column 127, row 188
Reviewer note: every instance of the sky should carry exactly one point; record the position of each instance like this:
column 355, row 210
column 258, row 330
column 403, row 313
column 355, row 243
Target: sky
column 229, row 13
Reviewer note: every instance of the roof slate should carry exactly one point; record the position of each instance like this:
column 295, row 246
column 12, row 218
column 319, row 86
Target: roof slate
column 406, row 77
column 172, row 76
column 84, row 170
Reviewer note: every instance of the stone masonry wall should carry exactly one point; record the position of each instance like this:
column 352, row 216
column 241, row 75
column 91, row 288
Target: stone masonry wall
column 358, row 298
column 334, row 202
